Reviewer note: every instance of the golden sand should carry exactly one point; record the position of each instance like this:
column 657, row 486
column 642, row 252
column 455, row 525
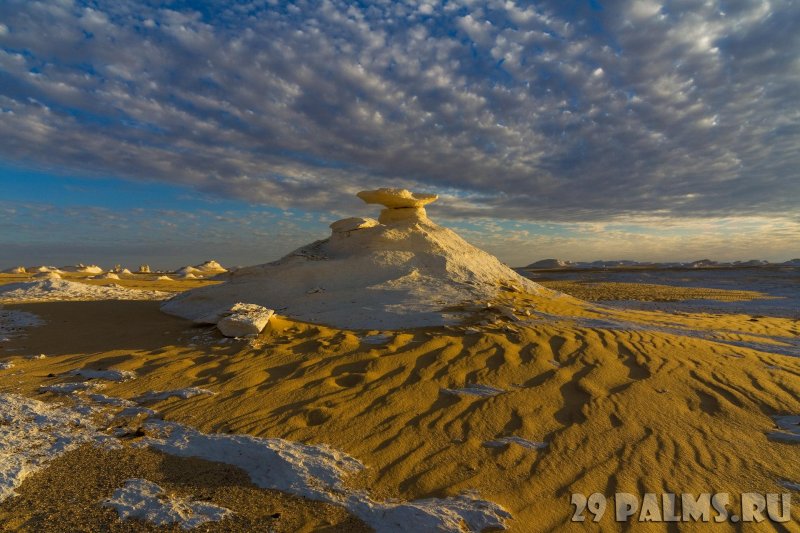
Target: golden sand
column 627, row 401
column 608, row 290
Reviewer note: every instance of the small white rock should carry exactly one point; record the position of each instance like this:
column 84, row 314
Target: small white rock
column 347, row 225
column 244, row 319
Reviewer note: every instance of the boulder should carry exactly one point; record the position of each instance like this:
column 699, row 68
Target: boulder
column 243, row 319
column 346, row 225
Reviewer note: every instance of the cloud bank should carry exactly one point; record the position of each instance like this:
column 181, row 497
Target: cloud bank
column 559, row 111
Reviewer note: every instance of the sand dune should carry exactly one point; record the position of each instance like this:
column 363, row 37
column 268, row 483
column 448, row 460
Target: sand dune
column 635, row 409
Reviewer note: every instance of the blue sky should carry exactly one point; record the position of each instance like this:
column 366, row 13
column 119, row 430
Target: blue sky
column 175, row 132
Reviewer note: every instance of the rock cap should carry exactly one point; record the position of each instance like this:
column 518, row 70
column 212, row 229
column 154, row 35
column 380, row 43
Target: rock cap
column 397, row 198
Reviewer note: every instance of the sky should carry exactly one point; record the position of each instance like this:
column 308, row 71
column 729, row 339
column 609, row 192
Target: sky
column 174, row 132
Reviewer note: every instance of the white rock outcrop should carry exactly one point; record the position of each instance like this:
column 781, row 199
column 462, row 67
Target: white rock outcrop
column 211, row 266
column 346, row 225
column 404, row 272
column 54, row 289
column 239, row 320
column 47, row 275
column 144, row 269
column 89, row 269
column 16, row 270
column 44, row 268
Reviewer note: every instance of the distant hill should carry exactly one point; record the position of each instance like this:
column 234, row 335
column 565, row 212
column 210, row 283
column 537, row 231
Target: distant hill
column 550, row 264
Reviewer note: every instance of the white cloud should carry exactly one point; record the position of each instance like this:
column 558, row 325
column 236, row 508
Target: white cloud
column 526, row 112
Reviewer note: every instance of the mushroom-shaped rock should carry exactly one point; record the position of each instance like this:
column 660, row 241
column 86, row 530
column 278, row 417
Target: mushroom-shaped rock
column 402, row 206
column 407, row 273
column 397, row 198
column 347, row 225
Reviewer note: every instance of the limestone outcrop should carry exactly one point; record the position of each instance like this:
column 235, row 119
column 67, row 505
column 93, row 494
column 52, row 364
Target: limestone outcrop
column 402, row 271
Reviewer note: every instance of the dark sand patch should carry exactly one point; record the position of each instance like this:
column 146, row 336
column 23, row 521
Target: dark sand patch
column 67, row 496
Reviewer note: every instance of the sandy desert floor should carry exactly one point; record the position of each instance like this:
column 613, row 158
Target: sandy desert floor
column 602, row 399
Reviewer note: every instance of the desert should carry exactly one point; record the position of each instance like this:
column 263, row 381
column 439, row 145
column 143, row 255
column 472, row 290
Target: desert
column 435, row 389
column 399, row 266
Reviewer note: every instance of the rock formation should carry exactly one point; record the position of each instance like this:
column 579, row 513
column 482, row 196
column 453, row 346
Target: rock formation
column 346, row 225
column 401, row 205
column 403, row 271
column 239, row 320
column 203, row 269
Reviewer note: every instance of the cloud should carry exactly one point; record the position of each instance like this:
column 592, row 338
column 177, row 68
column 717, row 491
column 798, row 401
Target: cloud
column 549, row 112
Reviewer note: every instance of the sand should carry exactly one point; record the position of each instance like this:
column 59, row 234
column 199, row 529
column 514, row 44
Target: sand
column 574, row 397
column 69, row 491
column 647, row 292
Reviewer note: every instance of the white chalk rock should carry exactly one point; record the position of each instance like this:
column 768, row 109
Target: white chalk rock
column 16, row 270
column 243, row 319
column 387, row 276
column 347, row 225
column 44, row 268
column 210, row 266
column 47, row 275
column 144, row 269
column 187, row 271
column 89, row 269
